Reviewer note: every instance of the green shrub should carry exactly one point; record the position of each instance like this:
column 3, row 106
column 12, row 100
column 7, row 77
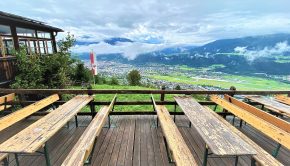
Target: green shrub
column 46, row 71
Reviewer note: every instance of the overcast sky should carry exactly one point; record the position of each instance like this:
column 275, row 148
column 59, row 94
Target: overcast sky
column 155, row 24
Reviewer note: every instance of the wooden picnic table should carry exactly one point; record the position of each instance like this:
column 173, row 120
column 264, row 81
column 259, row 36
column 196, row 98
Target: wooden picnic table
column 36, row 135
column 219, row 138
column 271, row 104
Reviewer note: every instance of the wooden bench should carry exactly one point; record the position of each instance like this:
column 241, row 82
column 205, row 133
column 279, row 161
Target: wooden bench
column 218, row 137
column 35, row 136
column 262, row 157
column 4, row 100
column 16, row 116
column 180, row 152
column 85, row 146
column 271, row 105
column 257, row 121
column 283, row 99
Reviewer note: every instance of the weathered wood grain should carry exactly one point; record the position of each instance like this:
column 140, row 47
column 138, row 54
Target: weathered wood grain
column 218, row 136
column 282, row 124
column 84, row 146
column 33, row 137
column 271, row 104
column 16, row 116
column 262, row 157
column 180, row 152
column 283, row 99
column 265, row 127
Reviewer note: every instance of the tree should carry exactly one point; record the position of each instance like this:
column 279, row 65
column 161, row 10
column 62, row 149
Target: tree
column 177, row 87
column 82, row 73
column 114, row 81
column 134, row 78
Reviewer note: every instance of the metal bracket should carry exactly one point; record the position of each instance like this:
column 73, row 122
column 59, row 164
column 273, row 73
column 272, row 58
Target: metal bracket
column 276, row 151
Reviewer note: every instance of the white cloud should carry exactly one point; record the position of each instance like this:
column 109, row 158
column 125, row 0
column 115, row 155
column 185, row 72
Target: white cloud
column 128, row 49
column 166, row 22
column 251, row 55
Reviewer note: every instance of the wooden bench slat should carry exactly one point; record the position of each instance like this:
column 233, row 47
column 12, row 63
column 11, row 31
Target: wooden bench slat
column 271, row 104
column 181, row 153
column 283, row 99
column 34, row 136
column 3, row 107
column 82, row 149
column 218, row 136
column 262, row 157
column 7, row 98
column 265, row 127
column 16, row 116
column 282, row 124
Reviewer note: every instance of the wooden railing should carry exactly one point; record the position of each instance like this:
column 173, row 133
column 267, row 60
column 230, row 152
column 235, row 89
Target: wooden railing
column 162, row 94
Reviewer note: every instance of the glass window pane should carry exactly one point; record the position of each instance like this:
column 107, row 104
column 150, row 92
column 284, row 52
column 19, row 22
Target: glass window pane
column 25, row 32
column 5, row 30
column 42, row 34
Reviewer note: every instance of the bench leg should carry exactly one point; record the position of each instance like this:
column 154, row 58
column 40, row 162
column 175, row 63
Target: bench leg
column 76, row 121
column 189, row 125
column 205, row 156
column 6, row 161
column 276, row 151
column 215, row 107
column 46, row 155
column 236, row 160
column 89, row 160
column 174, row 116
column 157, row 122
column 16, row 159
column 241, row 123
column 168, row 151
column 109, row 121
column 234, row 121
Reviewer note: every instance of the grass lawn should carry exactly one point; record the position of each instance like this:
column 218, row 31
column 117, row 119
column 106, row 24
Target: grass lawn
column 129, row 97
column 240, row 82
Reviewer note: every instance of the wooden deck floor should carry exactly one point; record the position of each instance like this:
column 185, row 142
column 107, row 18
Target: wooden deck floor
column 133, row 140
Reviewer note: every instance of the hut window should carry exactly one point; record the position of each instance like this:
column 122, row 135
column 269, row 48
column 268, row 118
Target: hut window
column 25, row 32
column 5, row 30
column 45, row 35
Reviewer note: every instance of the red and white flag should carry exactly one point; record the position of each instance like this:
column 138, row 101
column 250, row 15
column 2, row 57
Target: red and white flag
column 93, row 63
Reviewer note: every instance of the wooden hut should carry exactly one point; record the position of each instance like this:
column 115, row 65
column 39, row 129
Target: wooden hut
column 16, row 31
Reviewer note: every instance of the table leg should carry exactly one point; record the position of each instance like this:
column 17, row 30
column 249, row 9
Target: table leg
column 76, row 121
column 236, row 160
column 253, row 162
column 16, row 159
column 46, row 155
column 205, row 156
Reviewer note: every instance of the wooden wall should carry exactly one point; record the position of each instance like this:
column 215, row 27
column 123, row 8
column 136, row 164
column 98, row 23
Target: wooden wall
column 7, row 70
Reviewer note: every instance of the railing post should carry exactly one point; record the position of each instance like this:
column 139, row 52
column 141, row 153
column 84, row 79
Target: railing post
column 162, row 96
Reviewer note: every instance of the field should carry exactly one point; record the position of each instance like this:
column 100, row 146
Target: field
column 226, row 81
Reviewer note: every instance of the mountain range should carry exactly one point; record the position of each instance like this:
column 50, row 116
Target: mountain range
column 268, row 54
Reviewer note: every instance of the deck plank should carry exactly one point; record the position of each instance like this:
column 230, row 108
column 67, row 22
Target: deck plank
column 62, row 142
